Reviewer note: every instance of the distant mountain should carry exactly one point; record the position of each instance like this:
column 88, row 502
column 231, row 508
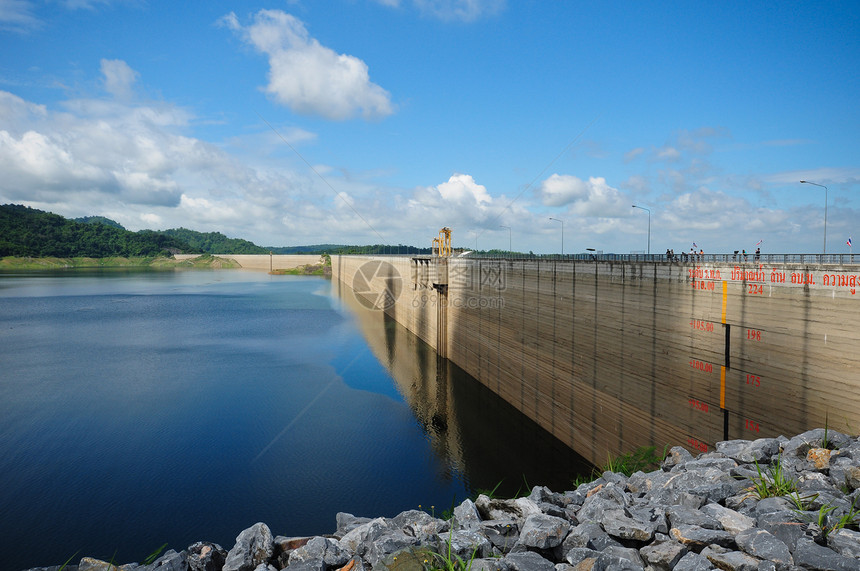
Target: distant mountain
column 28, row 232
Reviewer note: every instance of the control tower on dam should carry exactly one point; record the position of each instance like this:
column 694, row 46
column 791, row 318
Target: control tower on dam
column 612, row 355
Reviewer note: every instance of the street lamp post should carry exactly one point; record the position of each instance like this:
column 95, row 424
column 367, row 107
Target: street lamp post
column 509, row 240
column 824, row 251
column 562, row 233
column 649, row 225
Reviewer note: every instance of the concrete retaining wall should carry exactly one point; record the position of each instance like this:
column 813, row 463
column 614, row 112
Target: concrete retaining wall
column 609, row 356
column 264, row 262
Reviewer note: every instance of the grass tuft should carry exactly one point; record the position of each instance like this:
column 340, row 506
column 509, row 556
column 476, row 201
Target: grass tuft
column 773, row 482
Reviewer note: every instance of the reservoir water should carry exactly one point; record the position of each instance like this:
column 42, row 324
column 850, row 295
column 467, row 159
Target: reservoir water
column 139, row 408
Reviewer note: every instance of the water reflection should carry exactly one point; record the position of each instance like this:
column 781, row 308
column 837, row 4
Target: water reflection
column 477, row 435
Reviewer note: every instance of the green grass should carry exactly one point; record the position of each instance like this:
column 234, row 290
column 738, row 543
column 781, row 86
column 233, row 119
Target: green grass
column 202, row 261
column 850, row 519
column 772, row 482
column 644, row 458
column 451, row 561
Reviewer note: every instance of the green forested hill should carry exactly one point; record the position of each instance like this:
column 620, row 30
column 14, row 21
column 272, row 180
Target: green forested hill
column 214, row 242
column 100, row 220
column 28, row 232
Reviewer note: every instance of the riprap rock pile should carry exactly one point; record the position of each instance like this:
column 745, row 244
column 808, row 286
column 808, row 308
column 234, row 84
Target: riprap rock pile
column 695, row 513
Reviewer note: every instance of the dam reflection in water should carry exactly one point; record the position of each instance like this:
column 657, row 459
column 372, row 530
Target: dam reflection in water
column 479, row 435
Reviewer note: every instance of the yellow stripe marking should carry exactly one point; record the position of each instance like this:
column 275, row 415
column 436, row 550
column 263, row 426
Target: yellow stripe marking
column 723, row 385
column 725, row 298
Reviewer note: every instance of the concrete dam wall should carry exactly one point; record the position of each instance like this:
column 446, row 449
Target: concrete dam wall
column 610, row 356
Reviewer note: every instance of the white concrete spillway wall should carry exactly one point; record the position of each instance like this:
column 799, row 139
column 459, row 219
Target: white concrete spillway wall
column 610, row 356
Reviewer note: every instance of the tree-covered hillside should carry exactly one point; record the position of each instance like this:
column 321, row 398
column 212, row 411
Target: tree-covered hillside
column 28, row 232
column 100, row 220
column 214, row 242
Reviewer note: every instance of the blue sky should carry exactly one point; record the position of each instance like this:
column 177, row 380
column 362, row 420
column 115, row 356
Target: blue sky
column 380, row 121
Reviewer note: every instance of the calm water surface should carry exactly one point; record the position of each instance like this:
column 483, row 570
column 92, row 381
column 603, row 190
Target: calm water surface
column 138, row 408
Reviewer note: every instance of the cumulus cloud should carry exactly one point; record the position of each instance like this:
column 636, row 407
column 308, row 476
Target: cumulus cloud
column 132, row 154
column 586, row 198
column 462, row 189
column 308, row 77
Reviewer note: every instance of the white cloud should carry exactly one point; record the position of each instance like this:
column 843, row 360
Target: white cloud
column 18, row 16
column 307, row 77
column 668, row 154
column 586, row 198
column 633, row 154
column 463, row 10
column 119, row 78
column 463, row 190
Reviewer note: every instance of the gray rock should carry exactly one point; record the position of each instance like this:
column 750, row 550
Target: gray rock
column 542, row 494
column 655, row 515
column 503, row 534
column 730, row 560
column 786, row 531
column 518, row 509
column 730, row 520
column 358, row 540
column 489, row 564
column 329, row 551
column 627, row 553
column 169, row 561
column 697, row 538
column 347, row 522
column 466, row 515
column 663, row 555
column 710, row 484
column 694, row 562
column 542, row 531
column 577, row 555
column 617, row 524
column 721, row 464
column 392, row 541
column 776, row 504
column 465, row 543
column 846, row 542
column 205, row 556
column 680, row 515
column 528, row 561
column 607, row 497
column 810, row 555
column 309, row 565
column 590, row 535
column 419, row 524
column 759, row 543
column 677, row 455
column 618, row 559
column 746, row 452
column 254, row 545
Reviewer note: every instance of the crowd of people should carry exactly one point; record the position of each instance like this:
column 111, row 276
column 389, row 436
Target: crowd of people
column 699, row 256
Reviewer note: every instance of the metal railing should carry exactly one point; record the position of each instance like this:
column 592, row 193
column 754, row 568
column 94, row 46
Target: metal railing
column 730, row 258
